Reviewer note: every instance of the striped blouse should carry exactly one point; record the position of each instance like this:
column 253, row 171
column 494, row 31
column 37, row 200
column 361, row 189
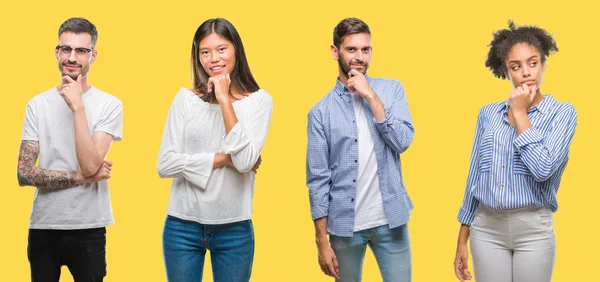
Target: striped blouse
column 509, row 171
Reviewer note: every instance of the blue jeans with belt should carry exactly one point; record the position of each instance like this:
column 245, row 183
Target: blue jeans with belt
column 231, row 249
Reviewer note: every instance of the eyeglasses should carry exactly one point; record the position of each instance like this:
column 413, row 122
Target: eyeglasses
column 66, row 50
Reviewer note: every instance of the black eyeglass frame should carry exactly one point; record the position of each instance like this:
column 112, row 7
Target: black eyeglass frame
column 69, row 49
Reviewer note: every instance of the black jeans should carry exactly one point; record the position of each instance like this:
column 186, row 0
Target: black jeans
column 83, row 251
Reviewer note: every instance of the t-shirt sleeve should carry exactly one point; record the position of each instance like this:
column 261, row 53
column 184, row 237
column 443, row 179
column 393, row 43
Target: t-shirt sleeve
column 111, row 120
column 30, row 126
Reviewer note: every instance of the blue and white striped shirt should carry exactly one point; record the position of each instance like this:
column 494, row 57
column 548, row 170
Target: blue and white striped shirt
column 509, row 171
column 332, row 155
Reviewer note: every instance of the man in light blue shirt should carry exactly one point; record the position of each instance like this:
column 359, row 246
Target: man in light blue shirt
column 356, row 134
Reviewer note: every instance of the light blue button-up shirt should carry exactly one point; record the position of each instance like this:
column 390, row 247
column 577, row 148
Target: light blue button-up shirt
column 331, row 170
column 509, row 171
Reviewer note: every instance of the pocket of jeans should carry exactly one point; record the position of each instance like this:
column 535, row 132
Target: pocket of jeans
column 251, row 226
column 486, row 147
column 519, row 166
column 544, row 218
column 173, row 223
column 340, row 243
column 244, row 226
column 37, row 236
column 95, row 233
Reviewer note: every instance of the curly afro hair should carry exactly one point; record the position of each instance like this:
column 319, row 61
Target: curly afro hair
column 505, row 39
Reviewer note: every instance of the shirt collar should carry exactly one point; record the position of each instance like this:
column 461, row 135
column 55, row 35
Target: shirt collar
column 543, row 107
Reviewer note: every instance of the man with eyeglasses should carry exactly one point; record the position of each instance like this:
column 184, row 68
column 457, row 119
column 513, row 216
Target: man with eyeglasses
column 71, row 128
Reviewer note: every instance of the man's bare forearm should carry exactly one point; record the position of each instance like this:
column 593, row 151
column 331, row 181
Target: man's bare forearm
column 29, row 174
column 87, row 155
column 321, row 231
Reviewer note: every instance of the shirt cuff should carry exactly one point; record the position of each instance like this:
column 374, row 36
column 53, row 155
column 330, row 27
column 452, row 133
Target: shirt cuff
column 386, row 119
column 198, row 168
column 383, row 124
column 319, row 211
column 466, row 217
column 529, row 136
column 235, row 141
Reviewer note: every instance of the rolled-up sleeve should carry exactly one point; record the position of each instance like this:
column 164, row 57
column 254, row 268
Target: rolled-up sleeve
column 544, row 151
column 318, row 173
column 397, row 127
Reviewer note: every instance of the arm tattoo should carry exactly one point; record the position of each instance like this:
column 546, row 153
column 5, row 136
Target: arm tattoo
column 31, row 175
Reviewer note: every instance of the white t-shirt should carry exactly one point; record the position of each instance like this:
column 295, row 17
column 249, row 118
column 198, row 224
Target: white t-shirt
column 49, row 121
column 368, row 212
column 194, row 132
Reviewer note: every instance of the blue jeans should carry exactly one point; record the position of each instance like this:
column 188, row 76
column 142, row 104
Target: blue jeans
column 391, row 248
column 231, row 249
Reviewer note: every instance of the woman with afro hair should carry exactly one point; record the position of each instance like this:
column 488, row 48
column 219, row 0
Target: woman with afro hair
column 520, row 151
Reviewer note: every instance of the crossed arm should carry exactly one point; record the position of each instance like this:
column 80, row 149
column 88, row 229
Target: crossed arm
column 28, row 174
column 91, row 149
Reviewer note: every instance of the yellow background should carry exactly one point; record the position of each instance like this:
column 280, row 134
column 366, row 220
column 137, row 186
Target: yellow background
column 436, row 48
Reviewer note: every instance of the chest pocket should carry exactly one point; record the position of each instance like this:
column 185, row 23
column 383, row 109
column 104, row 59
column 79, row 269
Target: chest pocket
column 519, row 166
column 486, row 147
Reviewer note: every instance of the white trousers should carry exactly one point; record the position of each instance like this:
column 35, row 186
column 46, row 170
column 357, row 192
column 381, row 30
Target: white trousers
column 513, row 245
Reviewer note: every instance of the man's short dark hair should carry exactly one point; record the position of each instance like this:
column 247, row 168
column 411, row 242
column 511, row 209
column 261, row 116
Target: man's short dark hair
column 79, row 25
column 348, row 26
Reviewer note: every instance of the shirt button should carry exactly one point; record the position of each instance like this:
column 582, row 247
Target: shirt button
column 355, row 161
column 504, row 145
column 353, row 180
column 500, row 205
column 502, row 166
column 352, row 200
column 355, row 140
column 501, row 185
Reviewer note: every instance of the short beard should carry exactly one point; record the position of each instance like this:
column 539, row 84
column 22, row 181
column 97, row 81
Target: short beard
column 63, row 71
column 71, row 76
column 346, row 70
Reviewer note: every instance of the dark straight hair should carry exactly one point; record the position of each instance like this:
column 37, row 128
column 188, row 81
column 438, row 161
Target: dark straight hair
column 241, row 76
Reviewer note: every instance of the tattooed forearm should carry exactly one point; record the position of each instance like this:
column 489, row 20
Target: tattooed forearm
column 29, row 174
